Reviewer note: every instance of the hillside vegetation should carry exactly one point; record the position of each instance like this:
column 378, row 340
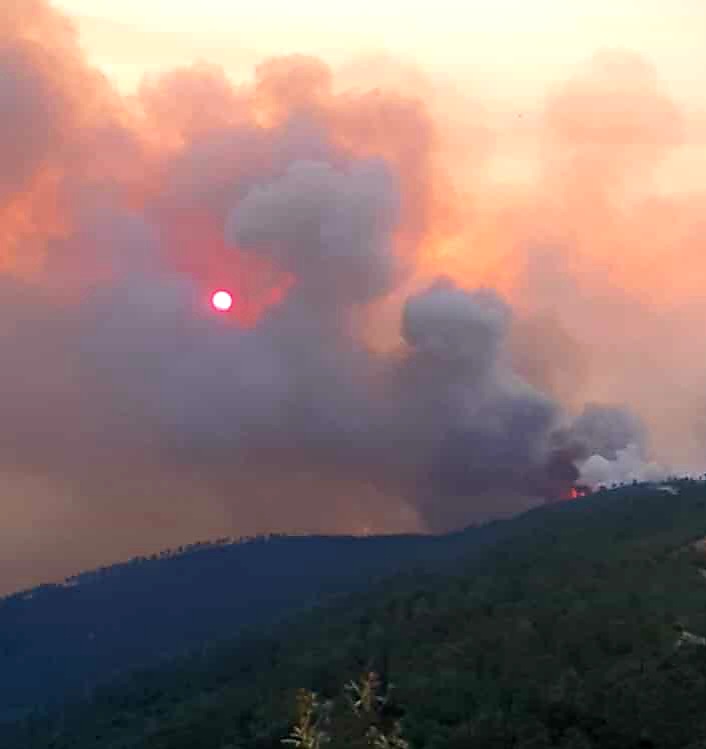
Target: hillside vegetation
column 577, row 626
column 58, row 641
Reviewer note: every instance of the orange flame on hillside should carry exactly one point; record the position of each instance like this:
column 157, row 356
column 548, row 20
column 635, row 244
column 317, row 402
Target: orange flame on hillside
column 576, row 493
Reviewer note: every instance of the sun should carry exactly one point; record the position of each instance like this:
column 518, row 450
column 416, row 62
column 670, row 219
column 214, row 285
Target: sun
column 222, row 300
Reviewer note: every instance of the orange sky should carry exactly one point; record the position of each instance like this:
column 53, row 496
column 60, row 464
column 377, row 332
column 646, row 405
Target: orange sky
column 507, row 45
column 508, row 53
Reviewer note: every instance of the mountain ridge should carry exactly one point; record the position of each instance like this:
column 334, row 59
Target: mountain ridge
column 584, row 598
column 62, row 638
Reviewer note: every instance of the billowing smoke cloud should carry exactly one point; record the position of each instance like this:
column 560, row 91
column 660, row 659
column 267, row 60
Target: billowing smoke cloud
column 453, row 326
column 605, row 430
column 360, row 382
column 330, row 229
column 629, row 465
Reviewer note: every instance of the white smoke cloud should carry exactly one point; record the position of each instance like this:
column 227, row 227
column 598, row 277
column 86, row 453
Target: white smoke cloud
column 629, row 465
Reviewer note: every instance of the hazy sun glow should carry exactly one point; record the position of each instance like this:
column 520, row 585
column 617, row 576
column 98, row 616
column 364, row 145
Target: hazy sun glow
column 222, row 300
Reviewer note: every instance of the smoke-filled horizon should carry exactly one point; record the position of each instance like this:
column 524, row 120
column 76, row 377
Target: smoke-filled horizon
column 413, row 345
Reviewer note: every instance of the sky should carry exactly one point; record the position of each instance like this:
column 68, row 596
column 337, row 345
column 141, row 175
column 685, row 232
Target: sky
column 508, row 53
column 506, row 46
column 455, row 233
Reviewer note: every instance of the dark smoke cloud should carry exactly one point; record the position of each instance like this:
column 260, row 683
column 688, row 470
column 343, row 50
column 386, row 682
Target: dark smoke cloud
column 136, row 417
column 490, row 428
column 449, row 324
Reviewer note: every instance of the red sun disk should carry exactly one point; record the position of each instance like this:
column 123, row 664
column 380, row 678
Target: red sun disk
column 222, row 300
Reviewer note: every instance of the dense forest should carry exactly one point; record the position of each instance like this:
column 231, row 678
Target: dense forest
column 64, row 639
column 576, row 625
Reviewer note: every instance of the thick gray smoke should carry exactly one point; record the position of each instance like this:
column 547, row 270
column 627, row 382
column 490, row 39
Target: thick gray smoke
column 134, row 416
column 604, row 430
column 450, row 325
column 330, row 228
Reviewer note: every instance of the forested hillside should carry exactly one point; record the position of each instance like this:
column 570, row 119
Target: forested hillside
column 578, row 626
column 61, row 640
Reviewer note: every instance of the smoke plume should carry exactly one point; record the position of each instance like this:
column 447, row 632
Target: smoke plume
column 411, row 346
